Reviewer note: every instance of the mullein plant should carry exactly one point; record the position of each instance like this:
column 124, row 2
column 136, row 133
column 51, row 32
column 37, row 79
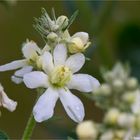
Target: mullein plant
column 53, row 69
column 119, row 98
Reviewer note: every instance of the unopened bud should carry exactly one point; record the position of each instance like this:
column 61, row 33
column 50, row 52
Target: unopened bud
column 87, row 131
column 52, row 37
column 108, row 135
column 105, row 89
column 129, row 97
column 112, row 116
column 132, row 83
column 126, row 120
column 76, row 45
column 62, row 22
column 118, row 85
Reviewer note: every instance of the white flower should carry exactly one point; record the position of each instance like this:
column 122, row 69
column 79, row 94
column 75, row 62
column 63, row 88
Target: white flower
column 58, row 79
column 30, row 52
column 5, row 101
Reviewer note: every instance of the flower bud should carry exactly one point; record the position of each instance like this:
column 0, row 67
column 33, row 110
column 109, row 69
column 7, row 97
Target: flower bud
column 87, row 131
column 105, row 89
column 119, row 135
column 118, row 85
column 62, row 22
column 132, row 83
column 52, row 37
column 112, row 116
column 76, row 45
column 108, row 135
column 128, row 97
column 126, row 120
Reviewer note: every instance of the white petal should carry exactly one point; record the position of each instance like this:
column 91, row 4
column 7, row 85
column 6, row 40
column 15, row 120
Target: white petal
column 72, row 105
column 13, row 65
column 44, row 107
column 35, row 79
column 83, row 83
column 16, row 80
column 7, row 102
column 30, row 48
column 47, row 62
column 75, row 62
column 23, row 71
column 83, row 36
column 60, row 54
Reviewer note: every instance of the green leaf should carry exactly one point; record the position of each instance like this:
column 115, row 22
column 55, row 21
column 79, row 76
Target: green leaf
column 70, row 138
column 3, row 136
column 71, row 20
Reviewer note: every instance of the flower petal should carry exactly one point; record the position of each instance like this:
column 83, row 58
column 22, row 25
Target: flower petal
column 47, row 62
column 44, row 107
column 75, row 62
column 35, row 79
column 29, row 48
column 23, row 71
column 16, row 80
column 13, row 65
column 83, row 36
column 60, row 54
column 6, row 102
column 72, row 105
column 83, row 82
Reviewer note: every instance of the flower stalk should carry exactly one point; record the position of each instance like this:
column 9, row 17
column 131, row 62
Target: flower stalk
column 29, row 128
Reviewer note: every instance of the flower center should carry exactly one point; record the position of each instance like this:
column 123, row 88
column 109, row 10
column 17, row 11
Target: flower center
column 60, row 76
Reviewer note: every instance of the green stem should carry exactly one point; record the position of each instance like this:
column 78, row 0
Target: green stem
column 29, row 128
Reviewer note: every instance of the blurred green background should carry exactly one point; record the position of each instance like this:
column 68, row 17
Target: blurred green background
column 114, row 29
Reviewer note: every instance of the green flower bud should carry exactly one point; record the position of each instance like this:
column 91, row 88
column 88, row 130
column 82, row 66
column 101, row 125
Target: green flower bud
column 62, row 22
column 52, row 37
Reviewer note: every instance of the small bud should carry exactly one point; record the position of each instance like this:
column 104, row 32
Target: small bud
column 105, row 89
column 126, row 120
column 87, row 130
column 62, row 22
column 118, row 85
column 132, row 83
column 119, row 135
column 128, row 97
column 52, row 37
column 108, row 135
column 76, row 45
column 112, row 116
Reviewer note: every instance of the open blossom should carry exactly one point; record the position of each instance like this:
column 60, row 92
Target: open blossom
column 30, row 52
column 5, row 101
column 58, row 78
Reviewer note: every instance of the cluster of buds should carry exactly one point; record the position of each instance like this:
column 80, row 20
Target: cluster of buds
column 55, row 30
column 119, row 97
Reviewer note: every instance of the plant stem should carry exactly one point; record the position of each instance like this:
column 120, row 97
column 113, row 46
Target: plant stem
column 29, row 128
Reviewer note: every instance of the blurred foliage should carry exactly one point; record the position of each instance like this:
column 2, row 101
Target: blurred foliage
column 114, row 29
column 3, row 136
